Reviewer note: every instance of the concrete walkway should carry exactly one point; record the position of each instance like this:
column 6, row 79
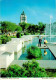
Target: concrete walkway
column 47, row 64
column 52, row 48
column 43, row 47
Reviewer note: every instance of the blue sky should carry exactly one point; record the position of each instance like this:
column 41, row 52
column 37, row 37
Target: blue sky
column 35, row 10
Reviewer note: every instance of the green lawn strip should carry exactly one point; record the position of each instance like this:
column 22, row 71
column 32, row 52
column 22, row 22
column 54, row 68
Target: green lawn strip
column 51, row 73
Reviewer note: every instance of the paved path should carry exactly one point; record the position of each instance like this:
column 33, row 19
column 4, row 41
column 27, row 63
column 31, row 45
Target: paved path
column 47, row 64
column 43, row 47
column 52, row 48
column 41, row 35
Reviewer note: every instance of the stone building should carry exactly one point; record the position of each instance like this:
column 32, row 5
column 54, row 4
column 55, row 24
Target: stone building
column 23, row 17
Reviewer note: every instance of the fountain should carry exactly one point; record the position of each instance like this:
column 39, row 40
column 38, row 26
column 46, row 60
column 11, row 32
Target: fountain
column 50, row 31
column 50, row 27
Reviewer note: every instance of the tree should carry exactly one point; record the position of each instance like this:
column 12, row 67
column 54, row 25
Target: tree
column 4, row 27
column 18, row 35
column 18, row 28
column 9, row 26
column 24, row 25
column 41, row 26
column 33, row 29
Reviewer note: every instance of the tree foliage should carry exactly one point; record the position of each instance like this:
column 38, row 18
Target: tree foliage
column 18, row 28
column 41, row 26
column 31, row 28
column 18, row 35
column 24, row 25
column 9, row 26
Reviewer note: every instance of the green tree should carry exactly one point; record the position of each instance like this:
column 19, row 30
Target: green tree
column 19, row 28
column 33, row 29
column 41, row 26
column 18, row 35
column 24, row 25
column 9, row 26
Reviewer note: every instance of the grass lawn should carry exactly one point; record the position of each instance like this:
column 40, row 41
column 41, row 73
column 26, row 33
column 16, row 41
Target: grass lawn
column 51, row 73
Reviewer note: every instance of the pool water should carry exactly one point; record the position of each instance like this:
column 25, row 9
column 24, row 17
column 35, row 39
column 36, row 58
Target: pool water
column 46, row 54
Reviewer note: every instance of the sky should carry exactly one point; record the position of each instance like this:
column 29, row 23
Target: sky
column 35, row 10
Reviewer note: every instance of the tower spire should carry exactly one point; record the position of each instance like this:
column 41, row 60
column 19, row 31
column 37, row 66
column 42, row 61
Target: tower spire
column 23, row 17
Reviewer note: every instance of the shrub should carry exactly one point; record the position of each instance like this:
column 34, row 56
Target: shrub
column 5, row 39
column 32, row 69
column 29, row 69
column 18, row 35
column 33, row 52
column 4, row 73
column 8, row 38
column 13, row 36
column 14, row 71
column 22, row 34
column 26, row 33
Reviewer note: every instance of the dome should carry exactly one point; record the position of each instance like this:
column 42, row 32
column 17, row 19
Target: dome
column 23, row 13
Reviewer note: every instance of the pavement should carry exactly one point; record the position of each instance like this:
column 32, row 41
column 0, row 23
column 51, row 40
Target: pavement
column 47, row 64
column 52, row 48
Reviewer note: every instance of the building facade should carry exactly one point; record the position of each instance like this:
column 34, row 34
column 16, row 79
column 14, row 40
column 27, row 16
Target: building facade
column 23, row 17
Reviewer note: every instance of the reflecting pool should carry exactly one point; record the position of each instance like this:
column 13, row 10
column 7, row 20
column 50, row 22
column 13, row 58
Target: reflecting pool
column 46, row 53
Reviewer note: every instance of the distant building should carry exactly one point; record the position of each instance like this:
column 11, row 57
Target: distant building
column 23, row 17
